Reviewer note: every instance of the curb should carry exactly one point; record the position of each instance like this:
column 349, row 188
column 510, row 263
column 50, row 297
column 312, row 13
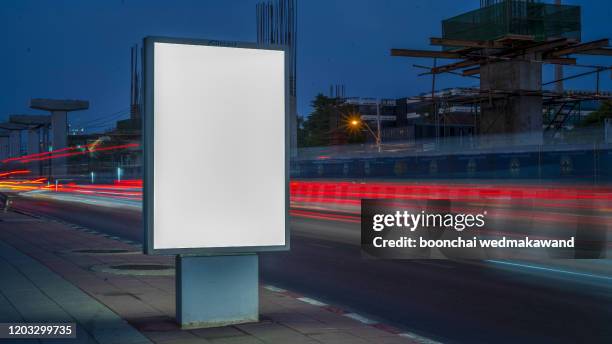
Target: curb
column 355, row 316
column 79, row 228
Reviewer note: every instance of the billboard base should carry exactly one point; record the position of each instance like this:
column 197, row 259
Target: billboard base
column 214, row 291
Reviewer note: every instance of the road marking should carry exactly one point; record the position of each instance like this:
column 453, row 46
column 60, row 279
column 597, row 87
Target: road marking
column 312, row 301
column 535, row 267
column 417, row 338
column 274, row 289
column 355, row 316
column 360, row 318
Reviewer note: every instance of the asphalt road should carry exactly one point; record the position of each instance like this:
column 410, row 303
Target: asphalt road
column 444, row 300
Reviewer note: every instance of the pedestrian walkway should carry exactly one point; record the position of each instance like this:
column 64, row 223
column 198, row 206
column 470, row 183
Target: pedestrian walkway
column 51, row 278
column 29, row 292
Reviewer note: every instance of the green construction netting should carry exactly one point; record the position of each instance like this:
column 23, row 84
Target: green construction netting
column 517, row 17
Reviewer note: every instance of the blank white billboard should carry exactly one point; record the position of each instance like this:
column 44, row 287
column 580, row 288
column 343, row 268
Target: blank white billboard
column 218, row 157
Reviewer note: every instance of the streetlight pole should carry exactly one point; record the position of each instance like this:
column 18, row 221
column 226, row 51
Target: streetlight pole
column 378, row 138
column 356, row 121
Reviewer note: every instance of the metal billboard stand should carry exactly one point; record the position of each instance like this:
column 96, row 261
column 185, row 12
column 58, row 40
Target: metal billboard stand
column 217, row 278
column 230, row 297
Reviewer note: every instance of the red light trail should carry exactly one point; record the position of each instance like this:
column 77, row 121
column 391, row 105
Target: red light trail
column 338, row 192
column 15, row 172
column 55, row 156
column 340, row 201
column 126, row 189
column 90, row 148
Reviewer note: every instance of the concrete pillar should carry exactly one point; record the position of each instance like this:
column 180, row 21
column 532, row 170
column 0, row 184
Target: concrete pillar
column 34, row 148
column 33, row 141
column 59, row 109
column 518, row 119
column 45, row 165
column 45, row 138
column 14, row 143
column 59, row 128
column 59, row 132
column 4, row 147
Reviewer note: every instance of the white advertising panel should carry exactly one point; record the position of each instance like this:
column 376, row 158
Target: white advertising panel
column 215, row 147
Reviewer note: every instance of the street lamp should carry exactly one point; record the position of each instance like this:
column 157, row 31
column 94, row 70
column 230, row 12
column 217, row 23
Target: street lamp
column 356, row 123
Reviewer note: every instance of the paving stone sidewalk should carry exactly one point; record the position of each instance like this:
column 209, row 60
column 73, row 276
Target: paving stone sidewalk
column 57, row 282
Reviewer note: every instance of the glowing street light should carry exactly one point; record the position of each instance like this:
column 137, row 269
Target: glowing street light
column 356, row 122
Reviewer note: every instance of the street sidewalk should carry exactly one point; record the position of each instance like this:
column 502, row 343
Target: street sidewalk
column 45, row 279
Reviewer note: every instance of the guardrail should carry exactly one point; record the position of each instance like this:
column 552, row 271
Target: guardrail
column 564, row 163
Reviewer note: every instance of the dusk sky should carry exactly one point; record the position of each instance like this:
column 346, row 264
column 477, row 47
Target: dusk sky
column 80, row 49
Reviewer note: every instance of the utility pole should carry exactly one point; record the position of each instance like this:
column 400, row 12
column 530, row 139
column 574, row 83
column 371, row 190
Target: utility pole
column 378, row 137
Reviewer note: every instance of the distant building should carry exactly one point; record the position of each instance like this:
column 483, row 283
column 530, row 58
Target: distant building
column 105, row 163
column 413, row 118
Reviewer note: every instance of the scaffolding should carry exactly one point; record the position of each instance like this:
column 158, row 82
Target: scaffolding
column 504, row 44
column 561, row 110
column 276, row 22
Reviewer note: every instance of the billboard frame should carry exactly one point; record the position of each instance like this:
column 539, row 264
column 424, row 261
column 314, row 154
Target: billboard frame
column 149, row 148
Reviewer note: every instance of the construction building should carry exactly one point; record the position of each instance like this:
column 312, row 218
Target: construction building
column 410, row 119
column 504, row 44
column 277, row 25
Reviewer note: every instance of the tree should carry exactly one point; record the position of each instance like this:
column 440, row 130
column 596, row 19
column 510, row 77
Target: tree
column 597, row 117
column 325, row 123
column 317, row 125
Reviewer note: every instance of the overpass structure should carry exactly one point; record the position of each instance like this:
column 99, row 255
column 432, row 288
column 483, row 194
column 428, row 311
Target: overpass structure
column 14, row 137
column 36, row 128
column 59, row 125
column 42, row 133
column 4, row 144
